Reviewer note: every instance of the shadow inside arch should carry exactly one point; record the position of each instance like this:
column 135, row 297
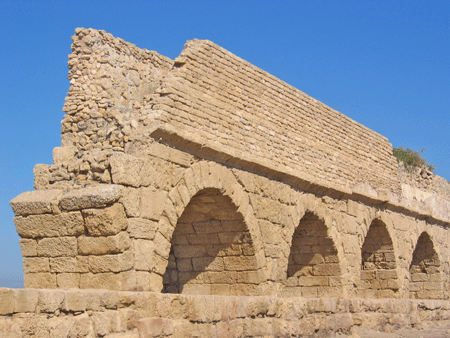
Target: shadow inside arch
column 313, row 267
column 425, row 270
column 212, row 250
column 379, row 277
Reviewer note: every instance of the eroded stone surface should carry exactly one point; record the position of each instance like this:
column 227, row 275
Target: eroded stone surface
column 92, row 313
column 95, row 196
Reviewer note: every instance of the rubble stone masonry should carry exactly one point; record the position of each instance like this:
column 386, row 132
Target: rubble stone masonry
column 202, row 196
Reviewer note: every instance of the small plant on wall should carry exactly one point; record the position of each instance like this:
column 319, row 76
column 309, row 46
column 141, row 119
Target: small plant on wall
column 412, row 159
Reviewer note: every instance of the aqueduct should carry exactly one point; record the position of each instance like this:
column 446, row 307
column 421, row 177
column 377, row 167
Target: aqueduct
column 205, row 175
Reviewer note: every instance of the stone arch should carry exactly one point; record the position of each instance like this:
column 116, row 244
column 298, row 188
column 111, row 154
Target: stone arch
column 425, row 270
column 379, row 277
column 314, row 267
column 209, row 193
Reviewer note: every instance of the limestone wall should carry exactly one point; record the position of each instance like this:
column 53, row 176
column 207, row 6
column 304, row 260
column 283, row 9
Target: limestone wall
column 213, row 95
column 145, row 194
column 238, row 107
column 212, row 229
column 424, row 180
column 109, row 314
column 226, row 107
column 207, row 176
column 422, row 190
column 110, row 82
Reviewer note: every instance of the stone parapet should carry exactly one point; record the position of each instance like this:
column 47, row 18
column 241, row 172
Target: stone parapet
column 230, row 103
column 118, row 91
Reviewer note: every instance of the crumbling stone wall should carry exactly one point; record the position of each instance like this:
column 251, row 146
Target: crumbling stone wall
column 425, row 180
column 210, row 94
column 111, row 82
column 207, row 176
column 423, row 190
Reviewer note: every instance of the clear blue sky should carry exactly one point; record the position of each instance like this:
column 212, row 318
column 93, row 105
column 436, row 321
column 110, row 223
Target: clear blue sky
column 383, row 63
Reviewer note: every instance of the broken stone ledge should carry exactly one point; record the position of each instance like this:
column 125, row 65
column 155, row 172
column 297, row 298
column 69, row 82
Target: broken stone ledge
column 51, row 201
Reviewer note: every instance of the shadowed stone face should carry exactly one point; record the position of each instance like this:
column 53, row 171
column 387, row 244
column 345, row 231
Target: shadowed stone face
column 212, row 251
column 314, row 267
column 378, row 275
column 425, row 270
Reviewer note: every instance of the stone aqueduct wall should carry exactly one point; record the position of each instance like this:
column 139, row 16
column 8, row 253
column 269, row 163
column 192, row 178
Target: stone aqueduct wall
column 207, row 176
column 120, row 314
column 221, row 230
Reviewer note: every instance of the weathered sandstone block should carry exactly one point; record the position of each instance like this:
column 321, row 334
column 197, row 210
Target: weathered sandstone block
column 92, row 197
column 6, row 301
column 40, row 280
column 105, row 222
column 326, row 270
column 155, row 327
column 36, row 264
column 144, row 254
column 69, row 264
column 28, row 247
column 36, row 202
column 63, row 154
column 74, row 301
column 240, row 263
column 125, row 169
column 131, row 200
column 41, row 176
column 152, row 203
column 109, row 280
column 38, row 226
column 50, row 300
column 57, row 247
column 68, row 280
column 142, row 228
column 25, row 300
column 111, row 263
column 103, row 245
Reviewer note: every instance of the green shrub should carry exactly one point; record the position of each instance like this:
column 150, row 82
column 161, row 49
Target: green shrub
column 412, row 159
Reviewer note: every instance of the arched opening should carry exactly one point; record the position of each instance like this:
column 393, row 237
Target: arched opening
column 212, row 250
column 313, row 265
column 425, row 270
column 378, row 265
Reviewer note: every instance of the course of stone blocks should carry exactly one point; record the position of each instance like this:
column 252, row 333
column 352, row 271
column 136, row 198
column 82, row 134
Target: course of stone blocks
column 205, row 175
column 125, row 314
